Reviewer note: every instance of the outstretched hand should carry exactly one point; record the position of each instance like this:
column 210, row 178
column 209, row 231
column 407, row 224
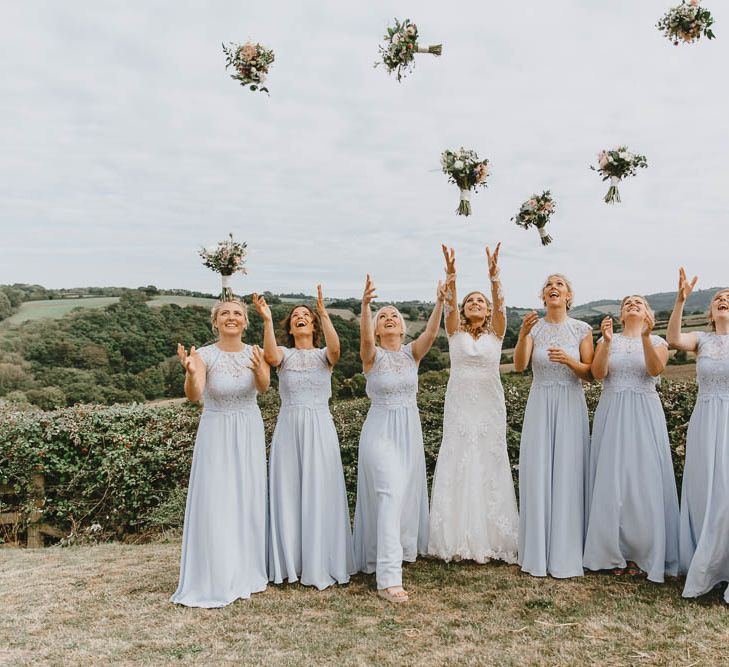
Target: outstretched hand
column 192, row 363
column 370, row 292
column 262, row 308
column 320, row 307
column 493, row 261
column 450, row 260
column 684, row 286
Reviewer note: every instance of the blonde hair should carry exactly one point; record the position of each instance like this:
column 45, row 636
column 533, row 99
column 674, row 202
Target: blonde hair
column 567, row 282
column 484, row 327
column 636, row 296
column 403, row 324
column 215, row 311
column 711, row 303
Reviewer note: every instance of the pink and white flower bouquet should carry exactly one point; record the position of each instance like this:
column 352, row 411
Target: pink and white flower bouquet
column 536, row 212
column 226, row 258
column 686, row 23
column 401, row 44
column 250, row 62
column 615, row 165
column 467, row 171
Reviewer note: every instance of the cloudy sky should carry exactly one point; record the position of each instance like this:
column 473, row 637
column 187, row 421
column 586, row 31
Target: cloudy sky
column 126, row 146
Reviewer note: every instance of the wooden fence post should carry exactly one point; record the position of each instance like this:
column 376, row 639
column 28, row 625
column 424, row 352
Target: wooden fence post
column 35, row 536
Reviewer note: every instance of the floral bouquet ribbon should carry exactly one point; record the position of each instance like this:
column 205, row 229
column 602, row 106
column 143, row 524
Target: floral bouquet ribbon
column 536, row 212
column 686, row 22
column 250, row 62
column 226, row 258
column 615, row 165
column 401, row 44
column 467, row 171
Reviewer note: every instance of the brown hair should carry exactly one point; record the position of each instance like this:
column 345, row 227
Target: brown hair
column 315, row 320
column 484, row 327
column 712, row 322
column 215, row 310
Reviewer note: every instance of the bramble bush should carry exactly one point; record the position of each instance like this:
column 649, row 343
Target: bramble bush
column 126, row 468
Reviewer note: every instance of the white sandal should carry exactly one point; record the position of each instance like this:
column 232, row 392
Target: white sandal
column 394, row 596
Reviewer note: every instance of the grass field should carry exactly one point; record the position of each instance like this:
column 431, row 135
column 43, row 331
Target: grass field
column 55, row 308
column 108, row 604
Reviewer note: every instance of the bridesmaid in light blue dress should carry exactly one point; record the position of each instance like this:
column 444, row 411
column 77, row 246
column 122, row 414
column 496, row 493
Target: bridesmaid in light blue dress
column 555, row 436
column 391, row 517
column 704, row 536
column 633, row 506
column 224, row 538
column 310, row 538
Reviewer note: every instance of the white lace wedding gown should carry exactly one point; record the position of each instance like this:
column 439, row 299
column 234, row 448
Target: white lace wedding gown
column 473, row 513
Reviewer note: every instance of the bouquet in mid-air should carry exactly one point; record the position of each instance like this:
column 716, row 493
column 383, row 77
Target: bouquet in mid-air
column 615, row 165
column 226, row 258
column 535, row 212
column 686, row 23
column 250, row 62
column 467, row 171
column 401, row 44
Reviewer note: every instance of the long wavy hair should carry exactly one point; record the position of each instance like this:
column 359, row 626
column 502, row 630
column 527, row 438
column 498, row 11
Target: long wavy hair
column 485, row 326
column 286, row 326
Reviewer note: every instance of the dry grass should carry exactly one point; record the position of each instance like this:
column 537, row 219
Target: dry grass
column 107, row 604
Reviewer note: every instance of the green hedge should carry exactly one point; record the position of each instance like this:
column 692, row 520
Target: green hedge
column 125, row 468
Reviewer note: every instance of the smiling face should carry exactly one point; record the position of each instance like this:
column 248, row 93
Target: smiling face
column 557, row 292
column 229, row 318
column 476, row 307
column 301, row 321
column 719, row 310
column 635, row 307
column 389, row 321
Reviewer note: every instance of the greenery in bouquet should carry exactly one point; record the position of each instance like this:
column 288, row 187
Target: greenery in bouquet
column 686, row 23
column 615, row 165
column 397, row 54
column 467, row 171
column 226, row 258
column 250, row 62
column 536, row 212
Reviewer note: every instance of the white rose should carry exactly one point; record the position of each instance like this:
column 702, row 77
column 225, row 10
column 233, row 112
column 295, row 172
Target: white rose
column 458, row 165
column 396, row 38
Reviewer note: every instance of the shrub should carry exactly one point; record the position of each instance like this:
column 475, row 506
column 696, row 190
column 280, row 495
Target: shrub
column 126, row 467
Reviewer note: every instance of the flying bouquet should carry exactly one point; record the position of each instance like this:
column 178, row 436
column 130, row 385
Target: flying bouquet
column 686, row 22
column 535, row 212
column 250, row 62
column 226, row 258
column 467, row 171
column 615, row 165
column 400, row 47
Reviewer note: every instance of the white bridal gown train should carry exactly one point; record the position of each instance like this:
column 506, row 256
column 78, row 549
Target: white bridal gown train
column 473, row 513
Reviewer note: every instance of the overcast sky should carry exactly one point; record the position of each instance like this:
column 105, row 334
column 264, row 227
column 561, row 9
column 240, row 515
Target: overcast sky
column 125, row 145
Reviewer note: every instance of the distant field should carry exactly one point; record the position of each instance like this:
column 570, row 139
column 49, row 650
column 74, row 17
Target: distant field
column 55, row 308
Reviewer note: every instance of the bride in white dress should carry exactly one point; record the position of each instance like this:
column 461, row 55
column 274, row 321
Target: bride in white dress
column 473, row 513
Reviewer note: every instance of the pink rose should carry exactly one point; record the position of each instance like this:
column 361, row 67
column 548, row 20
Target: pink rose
column 248, row 51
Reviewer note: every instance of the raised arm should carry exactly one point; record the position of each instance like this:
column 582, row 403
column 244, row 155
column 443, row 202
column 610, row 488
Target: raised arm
column 424, row 341
column 451, row 300
column 271, row 352
column 195, row 372
column 676, row 339
column 330, row 333
column 524, row 345
column 656, row 356
column 602, row 353
column 367, row 348
column 498, row 317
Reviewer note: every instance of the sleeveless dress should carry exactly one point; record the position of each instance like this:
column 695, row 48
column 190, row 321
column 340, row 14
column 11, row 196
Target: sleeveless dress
column 224, row 538
column 633, row 509
column 310, row 533
column 473, row 511
column 704, row 545
column 553, row 455
column 391, row 516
